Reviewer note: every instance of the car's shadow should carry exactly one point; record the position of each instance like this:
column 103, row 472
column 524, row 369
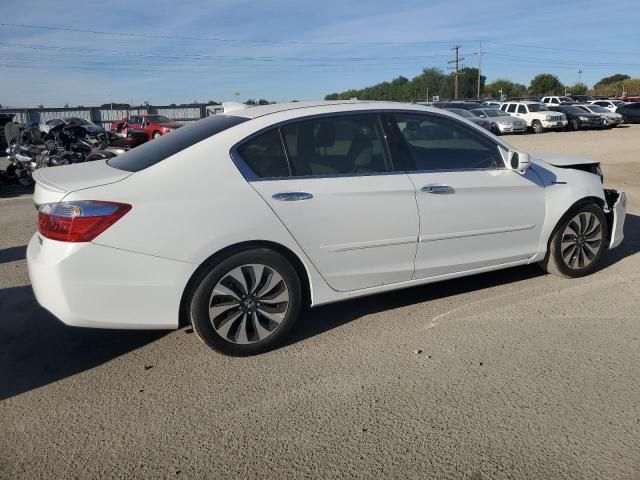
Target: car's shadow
column 322, row 319
column 36, row 349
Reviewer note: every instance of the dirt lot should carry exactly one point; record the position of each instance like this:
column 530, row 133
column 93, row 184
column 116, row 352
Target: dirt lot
column 521, row 375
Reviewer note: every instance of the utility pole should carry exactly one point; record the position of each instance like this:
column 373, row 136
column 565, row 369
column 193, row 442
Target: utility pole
column 456, row 69
column 580, row 76
column 479, row 66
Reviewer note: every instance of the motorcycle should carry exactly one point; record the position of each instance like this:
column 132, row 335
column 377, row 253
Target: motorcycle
column 63, row 145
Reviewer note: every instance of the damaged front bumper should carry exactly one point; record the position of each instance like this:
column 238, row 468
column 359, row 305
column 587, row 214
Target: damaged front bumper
column 616, row 211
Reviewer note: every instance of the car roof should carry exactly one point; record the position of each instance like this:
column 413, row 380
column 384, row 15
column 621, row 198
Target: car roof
column 524, row 102
column 327, row 106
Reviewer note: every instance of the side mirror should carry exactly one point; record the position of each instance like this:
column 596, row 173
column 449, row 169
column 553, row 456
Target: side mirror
column 519, row 161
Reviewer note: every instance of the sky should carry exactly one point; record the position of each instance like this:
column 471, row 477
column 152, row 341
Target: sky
column 168, row 51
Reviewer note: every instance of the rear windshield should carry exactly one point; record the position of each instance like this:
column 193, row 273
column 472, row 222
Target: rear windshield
column 155, row 151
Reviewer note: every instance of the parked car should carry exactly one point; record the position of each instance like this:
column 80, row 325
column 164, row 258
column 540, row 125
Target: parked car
column 537, row 115
column 558, row 100
column 581, row 98
column 133, row 137
column 610, row 119
column 305, row 204
column 630, row 99
column 610, row 105
column 630, row 112
column 89, row 127
column 491, row 104
column 579, row 119
column 501, row 122
column 460, row 105
column 486, row 124
column 153, row 125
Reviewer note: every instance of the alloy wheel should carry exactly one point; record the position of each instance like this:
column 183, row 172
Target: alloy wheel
column 248, row 304
column 581, row 240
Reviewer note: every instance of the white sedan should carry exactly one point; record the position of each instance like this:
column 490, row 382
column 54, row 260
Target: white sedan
column 239, row 221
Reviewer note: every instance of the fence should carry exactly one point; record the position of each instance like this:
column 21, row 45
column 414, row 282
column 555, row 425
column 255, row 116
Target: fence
column 105, row 116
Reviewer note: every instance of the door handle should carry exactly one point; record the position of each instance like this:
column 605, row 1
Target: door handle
column 438, row 189
column 292, row 196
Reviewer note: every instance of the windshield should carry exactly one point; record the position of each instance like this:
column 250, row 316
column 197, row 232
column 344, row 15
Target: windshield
column 78, row 121
column 616, row 102
column 567, row 99
column 494, row 112
column 461, row 112
column 597, row 109
column 538, row 107
column 151, row 153
column 574, row 110
column 158, row 119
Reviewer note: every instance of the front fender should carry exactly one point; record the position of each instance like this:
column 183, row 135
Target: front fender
column 564, row 188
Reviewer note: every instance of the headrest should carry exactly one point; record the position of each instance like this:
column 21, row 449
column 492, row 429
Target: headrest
column 326, row 135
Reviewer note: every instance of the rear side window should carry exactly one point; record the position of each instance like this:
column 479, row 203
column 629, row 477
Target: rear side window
column 512, row 108
column 264, row 154
column 522, row 109
column 337, row 145
column 155, row 151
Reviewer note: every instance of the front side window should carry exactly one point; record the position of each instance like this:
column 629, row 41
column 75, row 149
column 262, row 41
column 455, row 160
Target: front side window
column 337, row 145
column 437, row 143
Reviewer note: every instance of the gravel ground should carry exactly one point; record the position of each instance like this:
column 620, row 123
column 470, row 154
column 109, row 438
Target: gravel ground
column 519, row 375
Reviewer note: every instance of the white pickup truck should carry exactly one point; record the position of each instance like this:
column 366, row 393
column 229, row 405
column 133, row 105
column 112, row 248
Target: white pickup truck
column 538, row 117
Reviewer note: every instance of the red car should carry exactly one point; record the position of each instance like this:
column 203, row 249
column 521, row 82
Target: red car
column 153, row 125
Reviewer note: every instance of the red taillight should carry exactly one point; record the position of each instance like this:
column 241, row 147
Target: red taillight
column 79, row 221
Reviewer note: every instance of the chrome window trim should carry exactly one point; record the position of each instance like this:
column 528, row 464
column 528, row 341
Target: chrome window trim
column 251, row 176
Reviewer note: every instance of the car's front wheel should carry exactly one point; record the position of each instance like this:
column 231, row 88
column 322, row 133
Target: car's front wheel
column 247, row 303
column 537, row 127
column 574, row 125
column 577, row 243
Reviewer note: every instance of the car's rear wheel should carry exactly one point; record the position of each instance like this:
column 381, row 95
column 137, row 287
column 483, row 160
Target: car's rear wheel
column 577, row 243
column 537, row 127
column 247, row 303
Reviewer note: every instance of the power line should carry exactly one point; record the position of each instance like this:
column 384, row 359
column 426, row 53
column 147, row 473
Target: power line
column 211, row 57
column 216, row 39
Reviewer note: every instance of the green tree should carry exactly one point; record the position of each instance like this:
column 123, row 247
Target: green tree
column 507, row 87
column 251, row 101
column 617, row 78
column 262, row 101
column 468, row 82
column 578, row 89
column 546, row 84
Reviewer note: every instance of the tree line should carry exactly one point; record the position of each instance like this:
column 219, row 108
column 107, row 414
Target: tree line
column 433, row 81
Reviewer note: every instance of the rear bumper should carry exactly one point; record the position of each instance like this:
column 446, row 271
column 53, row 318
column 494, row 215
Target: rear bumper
column 88, row 285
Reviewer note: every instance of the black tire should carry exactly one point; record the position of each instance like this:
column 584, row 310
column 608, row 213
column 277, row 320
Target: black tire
column 555, row 262
column 199, row 302
column 155, row 135
column 574, row 125
column 495, row 129
column 537, row 127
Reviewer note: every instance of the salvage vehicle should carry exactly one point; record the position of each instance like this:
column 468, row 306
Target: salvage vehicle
column 153, row 125
column 579, row 119
column 537, row 115
column 293, row 205
column 501, row 122
column 610, row 119
column 484, row 123
column 89, row 127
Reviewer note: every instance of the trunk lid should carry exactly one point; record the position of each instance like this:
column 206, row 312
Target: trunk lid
column 54, row 183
